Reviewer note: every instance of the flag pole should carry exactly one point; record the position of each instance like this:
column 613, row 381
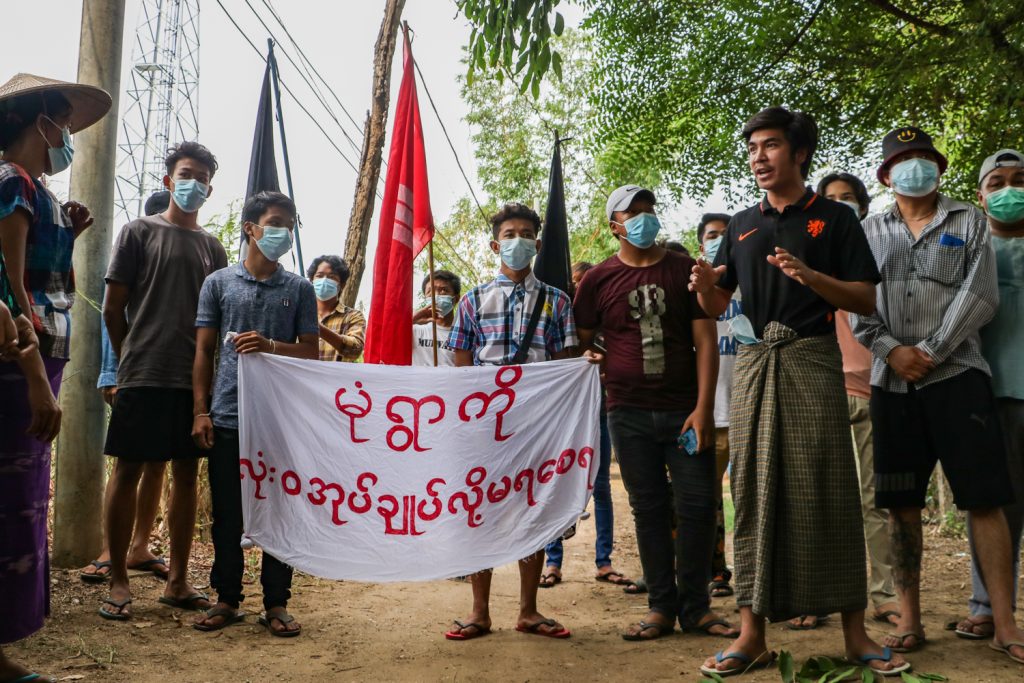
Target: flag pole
column 284, row 146
column 433, row 297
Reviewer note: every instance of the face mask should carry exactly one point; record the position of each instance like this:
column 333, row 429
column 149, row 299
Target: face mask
column 324, row 287
column 60, row 157
column 642, row 230
column 189, row 195
column 914, row 177
column 854, row 206
column 742, row 329
column 445, row 304
column 516, row 253
column 1006, row 205
column 275, row 243
column 711, row 249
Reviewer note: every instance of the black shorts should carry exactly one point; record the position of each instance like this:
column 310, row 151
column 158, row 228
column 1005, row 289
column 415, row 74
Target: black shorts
column 954, row 422
column 152, row 424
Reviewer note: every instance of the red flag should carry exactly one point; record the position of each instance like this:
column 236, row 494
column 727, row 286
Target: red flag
column 406, row 226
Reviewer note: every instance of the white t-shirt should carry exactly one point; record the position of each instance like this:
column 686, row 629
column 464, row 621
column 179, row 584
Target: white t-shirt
column 727, row 347
column 423, row 346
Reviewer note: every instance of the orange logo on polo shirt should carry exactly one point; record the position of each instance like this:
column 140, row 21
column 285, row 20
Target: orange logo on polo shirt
column 815, row 226
column 906, row 135
column 748, row 234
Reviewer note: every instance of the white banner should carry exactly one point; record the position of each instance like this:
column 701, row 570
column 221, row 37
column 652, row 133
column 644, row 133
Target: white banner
column 384, row 473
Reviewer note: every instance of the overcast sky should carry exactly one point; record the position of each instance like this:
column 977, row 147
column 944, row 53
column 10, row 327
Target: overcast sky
column 338, row 38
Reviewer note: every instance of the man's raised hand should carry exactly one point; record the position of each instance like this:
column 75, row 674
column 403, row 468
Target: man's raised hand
column 703, row 277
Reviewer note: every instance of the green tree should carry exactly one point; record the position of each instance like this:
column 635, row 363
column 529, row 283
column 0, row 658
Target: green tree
column 676, row 80
column 226, row 228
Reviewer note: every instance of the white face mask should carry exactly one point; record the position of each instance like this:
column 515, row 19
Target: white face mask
column 854, row 206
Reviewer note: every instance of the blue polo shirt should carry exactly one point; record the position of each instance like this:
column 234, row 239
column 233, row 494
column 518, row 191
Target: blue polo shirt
column 281, row 308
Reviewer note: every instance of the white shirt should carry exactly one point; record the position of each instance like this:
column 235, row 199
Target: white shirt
column 423, row 346
column 727, row 348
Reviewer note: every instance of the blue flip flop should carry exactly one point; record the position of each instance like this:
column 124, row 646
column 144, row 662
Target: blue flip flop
column 886, row 656
column 746, row 663
column 29, row 678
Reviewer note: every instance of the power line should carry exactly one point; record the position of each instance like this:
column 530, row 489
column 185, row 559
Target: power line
column 290, row 92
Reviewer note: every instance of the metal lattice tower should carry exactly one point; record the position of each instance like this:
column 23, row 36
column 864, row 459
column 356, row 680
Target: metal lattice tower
column 161, row 99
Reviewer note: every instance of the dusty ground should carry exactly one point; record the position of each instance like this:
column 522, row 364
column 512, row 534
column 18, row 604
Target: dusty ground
column 391, row 632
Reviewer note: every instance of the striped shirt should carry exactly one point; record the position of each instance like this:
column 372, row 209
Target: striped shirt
column 936, row 292
column 492, row 319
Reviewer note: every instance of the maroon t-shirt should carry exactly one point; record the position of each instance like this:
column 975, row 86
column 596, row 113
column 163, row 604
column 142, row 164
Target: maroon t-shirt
column 646, row 315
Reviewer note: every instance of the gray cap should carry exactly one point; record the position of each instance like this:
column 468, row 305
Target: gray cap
column 622, row 197
column 1004, row 157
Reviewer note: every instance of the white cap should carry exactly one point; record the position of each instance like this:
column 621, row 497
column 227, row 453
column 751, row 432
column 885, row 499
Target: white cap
column 622, row 197
column 1004, row 157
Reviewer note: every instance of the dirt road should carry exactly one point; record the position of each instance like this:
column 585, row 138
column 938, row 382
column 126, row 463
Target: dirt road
column 391, row 632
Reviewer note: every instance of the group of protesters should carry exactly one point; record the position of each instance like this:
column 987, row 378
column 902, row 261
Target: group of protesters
column 865, row 348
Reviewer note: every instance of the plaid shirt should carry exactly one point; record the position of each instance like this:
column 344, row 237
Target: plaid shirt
column 492, row 320
column 49, row 278
column 936, row 292
column 6, row 292
column 351, row 325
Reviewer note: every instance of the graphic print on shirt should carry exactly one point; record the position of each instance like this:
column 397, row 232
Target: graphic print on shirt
column 727, row 343
column 647, row 305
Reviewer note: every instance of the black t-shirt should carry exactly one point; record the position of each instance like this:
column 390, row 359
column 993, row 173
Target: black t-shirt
column 646, row 315
column 822, row 233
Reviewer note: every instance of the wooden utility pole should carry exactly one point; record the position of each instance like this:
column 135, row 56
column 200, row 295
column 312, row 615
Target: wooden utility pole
column 374, row 132
column 78, row 502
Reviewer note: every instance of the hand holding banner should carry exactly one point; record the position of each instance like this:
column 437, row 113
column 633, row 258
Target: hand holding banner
column 383, row 473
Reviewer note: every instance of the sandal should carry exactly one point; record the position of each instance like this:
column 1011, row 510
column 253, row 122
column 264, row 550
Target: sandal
column 96, row 576
column 549, row 580
column 883, row 617
column 534, row 629
column 33, row 678
column 231, row 616
column 1005, row 649
column 902, row 637
column 150, row 566
column 662, row 630
column 720, row 588
column 120, row 615
column 886, row 656
column 189, row 603
column 457, row 634
column 618, row 580
column 988, row 629
column 285, row 619
column 705, row 628
column 819, row 621
column 747, row 663
column 637, row 587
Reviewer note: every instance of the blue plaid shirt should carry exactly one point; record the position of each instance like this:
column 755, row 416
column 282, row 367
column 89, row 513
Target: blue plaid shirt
column 492, row 319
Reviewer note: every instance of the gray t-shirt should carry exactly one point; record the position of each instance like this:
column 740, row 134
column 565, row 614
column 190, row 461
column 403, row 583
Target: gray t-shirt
column 164, row 266
column 280, row 308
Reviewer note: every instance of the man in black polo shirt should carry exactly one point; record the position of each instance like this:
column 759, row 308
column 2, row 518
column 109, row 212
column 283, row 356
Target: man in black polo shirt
column 797, row 257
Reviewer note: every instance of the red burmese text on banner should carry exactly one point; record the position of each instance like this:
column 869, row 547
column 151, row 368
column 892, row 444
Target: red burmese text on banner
column 406, row 226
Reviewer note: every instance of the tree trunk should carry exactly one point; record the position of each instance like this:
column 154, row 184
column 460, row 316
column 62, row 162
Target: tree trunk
column 374, row 132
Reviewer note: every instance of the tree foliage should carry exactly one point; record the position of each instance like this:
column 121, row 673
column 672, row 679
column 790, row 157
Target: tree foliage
column 676, row 80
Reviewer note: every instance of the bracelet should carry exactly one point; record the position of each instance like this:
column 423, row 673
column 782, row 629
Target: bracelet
column 273, row 346
column 203, row 415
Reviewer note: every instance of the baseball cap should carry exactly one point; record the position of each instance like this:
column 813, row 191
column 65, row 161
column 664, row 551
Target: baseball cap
column 622, row 197
column 907, row 139
column 1004, row 157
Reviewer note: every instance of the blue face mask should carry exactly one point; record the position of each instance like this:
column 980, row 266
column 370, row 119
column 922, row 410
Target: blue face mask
column 60, row 157
column 711, row 249
column 742, row 329
column 324, row 287
column 914, row 177
column 642, row 230
column 275, row 243
column 445, row 304
column 189, row 195
column 516, row 253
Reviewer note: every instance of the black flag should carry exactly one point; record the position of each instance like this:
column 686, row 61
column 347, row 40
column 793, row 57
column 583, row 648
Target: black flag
column 553, row 265
column 263, row 163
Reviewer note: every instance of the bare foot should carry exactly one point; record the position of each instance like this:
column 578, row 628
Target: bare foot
column 807, row 622
column 719, row 626
column 889, row 611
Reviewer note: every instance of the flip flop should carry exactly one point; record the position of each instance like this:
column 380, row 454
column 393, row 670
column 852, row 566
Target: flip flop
column 458, row 634
column 720, row 589
column 1005, row 649
column 706, row 627
column 620, row 579
column 919, row 637
column 231, row 616
column 544, row 578
column 29, row 678
column 800, row 627
column 638, row 587
column 883, row 617
column 533, row 629
column 148, row 566
column 96, row 577
column 264, row 620
column 746, row 663
column 886, row 656
column 663, row 630
column 988, row 626
column 188, row 603
column 115, row 616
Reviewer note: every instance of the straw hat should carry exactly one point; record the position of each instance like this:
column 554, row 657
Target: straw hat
column 88, row 103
